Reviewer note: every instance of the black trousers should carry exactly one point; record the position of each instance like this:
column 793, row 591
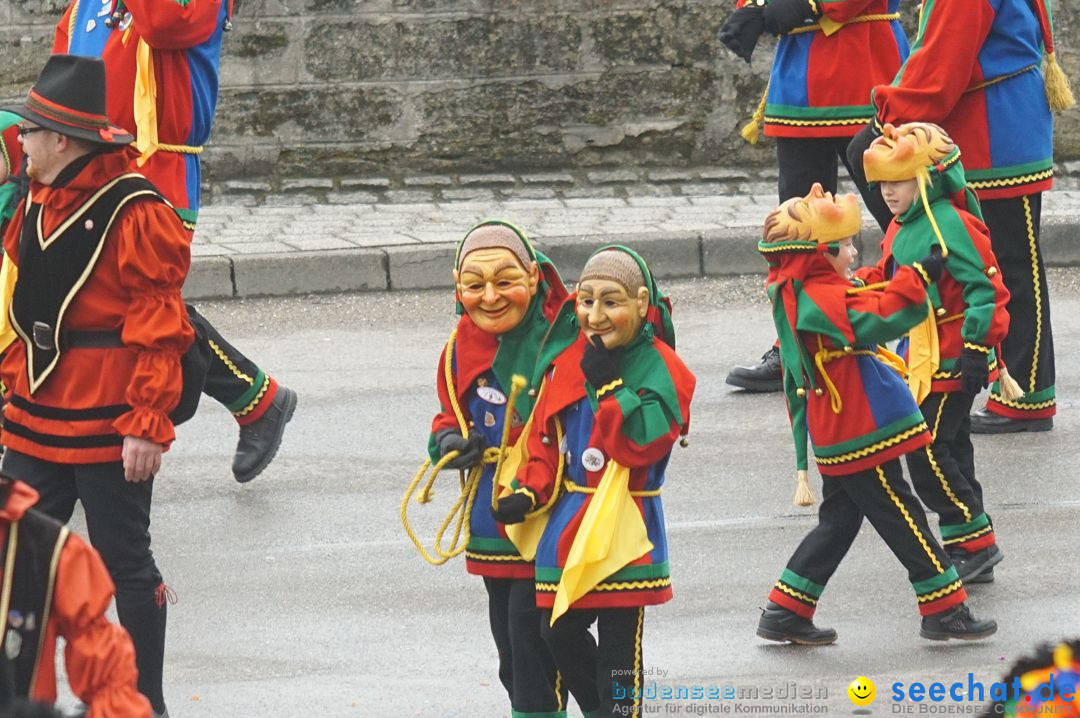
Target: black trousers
column 603, row 675
column 1028, row 350
column 526, row 667
column 804, row 161
column 233, row 380
column 943, row 473
column 882, row 496
column 118, row 522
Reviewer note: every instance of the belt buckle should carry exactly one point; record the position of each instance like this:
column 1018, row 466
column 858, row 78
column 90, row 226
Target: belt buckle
column 43, row 337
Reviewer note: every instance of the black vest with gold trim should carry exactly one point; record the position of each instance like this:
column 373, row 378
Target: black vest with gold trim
column 31, row 557
column 53, row 269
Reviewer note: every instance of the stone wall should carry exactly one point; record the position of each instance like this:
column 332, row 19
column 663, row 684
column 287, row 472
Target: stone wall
column 390, row 87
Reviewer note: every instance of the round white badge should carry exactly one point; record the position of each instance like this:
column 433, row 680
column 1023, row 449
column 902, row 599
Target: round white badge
column 491, row 395
column 592, row 459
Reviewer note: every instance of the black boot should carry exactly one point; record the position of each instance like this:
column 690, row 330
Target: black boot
column 957, row 622
column 970, row 565
column 984, row 576
column 762, row 377
column 780, row 624
column 259, row 441
column 985, row 421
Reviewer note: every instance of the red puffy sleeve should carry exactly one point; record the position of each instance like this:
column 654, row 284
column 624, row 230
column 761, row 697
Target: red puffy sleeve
column 61, row 39
column 99, row 656
column 540, row 471
column 153, row 256
column 174, row 24
column 944, row 62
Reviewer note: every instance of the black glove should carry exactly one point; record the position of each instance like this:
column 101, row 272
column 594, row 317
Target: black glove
column 742, row 29
column 974, row 374
column 861, row 143
column 472, row 449
column 782, row 16
column 599, row 364
column 933, row 264
column 512, row 509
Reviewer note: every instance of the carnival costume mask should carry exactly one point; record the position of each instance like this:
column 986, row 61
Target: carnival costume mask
column 495, row 278
column 819, row 218
column 907, row 152
column 612, row 298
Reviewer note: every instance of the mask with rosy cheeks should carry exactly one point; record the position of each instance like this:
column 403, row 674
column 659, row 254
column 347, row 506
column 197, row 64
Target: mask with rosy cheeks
column 495, row 289
column 606, row 309
column 819, row 216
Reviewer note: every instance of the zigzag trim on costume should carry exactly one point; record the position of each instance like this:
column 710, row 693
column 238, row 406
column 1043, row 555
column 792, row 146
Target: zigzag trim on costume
column 999, row 399
column 817, row 123
column 1010, row 181
column 967, row 537
column 229, row 362
column 1038, row 290
column 872, row 449
column 613, row 587
column 258, row 398
column 781, row 586
column 907, row 518
column 951, row 588
column 637, row 657
column 494, row 557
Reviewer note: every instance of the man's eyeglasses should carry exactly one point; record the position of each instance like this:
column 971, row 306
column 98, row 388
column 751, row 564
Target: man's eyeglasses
column 24, row 131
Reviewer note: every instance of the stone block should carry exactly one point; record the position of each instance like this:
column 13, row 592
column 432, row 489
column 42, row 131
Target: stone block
column 731, row 251
column 330, row 271
column 1057, row 240
column 424, row 266
column 435, row 47
column 209, row 277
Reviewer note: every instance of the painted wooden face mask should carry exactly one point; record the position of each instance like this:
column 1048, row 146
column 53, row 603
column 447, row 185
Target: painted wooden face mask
column 495, row 288
column 818, row 217
column 907, row 152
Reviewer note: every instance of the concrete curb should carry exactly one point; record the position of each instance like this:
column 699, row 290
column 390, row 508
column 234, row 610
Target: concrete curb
column 674, row 254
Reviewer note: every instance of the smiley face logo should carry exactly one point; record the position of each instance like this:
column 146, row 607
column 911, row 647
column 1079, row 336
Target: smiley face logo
column 862, row 691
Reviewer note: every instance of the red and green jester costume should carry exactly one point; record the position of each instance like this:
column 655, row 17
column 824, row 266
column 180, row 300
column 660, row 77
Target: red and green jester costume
column 580, row 433
column 977, row 69
column 482, row 366
column 848, row 395
column 969, row 320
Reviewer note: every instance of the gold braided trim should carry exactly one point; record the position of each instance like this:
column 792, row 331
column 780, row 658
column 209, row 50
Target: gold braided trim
column 999, row 399
column 951, row 588
column 867, row 288
column 784, row 588
column 614, row 586
column 878, row 17
column 977, row 347
column 229, row 362
column 922, row 273
column 558, row 690
column 907, row 518
column 494, row 557
column 999, row 78
column 967, row 537
column 189, row 226
column 573, row 488
column 255, row 401
column 182, row 149
column 71, row 22
column 1010, row 181
column 946, row 489
column 874, row 448
column 1038, row 290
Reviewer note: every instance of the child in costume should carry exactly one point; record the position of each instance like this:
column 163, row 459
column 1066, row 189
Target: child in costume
column 507, row 294
column 615, row 399
column 848, row 395
column 953, row 355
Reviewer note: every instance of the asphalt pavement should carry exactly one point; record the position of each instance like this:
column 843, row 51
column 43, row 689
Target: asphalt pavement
column 300, row 595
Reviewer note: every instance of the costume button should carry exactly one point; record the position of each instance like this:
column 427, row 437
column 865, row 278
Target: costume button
column 940, row 311
column 991, row 271
column 800, row 392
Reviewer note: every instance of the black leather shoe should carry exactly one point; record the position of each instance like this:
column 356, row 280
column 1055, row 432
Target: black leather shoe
column 780, row 624
column 969, row 565
column 984, row 576
column 259, row 441
column 958, row 623
column 984, row 421
column 762, row 377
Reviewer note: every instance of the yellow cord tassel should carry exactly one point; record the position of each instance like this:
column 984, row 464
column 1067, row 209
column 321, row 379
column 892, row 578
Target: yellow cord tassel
column 803, row 495
column 1058, row 92
column 752, row 129
column 1010, row 390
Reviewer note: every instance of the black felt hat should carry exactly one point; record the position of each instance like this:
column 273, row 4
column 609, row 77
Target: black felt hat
column 69, row 98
